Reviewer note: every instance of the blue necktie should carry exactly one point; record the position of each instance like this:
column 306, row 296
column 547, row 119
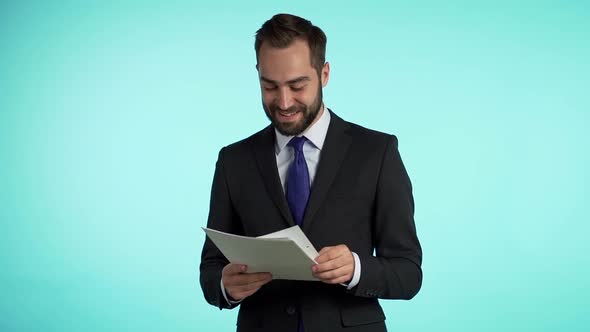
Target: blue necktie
column 298, row 181
column 298, row 188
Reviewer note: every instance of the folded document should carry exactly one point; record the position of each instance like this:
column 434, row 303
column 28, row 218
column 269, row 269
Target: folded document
column 286, row 254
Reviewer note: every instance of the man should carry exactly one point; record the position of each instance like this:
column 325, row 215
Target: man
column 344, row 184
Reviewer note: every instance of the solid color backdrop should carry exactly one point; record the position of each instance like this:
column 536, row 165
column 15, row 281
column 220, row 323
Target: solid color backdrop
column 112, row 114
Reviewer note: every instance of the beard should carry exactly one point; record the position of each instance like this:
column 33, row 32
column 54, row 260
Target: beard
column 295, row 128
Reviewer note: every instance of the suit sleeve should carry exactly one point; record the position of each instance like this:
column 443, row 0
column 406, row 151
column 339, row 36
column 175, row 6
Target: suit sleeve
column 395, row 270
column 221, row 217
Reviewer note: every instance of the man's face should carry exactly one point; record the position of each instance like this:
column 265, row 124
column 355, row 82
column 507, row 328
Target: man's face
column 291, row 88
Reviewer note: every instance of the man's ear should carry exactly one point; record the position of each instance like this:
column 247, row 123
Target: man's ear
column 325, row 74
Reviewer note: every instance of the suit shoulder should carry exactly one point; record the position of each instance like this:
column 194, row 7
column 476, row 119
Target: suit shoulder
column 370, row 135
column 244, row 145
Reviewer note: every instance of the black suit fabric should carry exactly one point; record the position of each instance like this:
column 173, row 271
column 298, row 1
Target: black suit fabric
column 361, row 197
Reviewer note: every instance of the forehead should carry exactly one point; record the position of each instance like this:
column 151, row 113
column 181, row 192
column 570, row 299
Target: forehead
column 283, row 64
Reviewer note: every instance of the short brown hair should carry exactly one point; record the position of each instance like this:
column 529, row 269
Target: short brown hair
column 282, row 29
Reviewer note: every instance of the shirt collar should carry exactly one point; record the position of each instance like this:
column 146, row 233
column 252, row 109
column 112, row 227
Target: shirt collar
column 315, row 133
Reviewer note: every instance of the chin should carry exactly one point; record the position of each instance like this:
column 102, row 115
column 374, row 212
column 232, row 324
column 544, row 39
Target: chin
column 289, row 128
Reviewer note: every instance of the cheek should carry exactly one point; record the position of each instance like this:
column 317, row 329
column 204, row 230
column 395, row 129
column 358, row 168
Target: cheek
column 267, row 97
column 306, row 97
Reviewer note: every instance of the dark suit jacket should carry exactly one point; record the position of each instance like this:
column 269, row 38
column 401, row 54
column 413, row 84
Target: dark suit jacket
column 361, row 197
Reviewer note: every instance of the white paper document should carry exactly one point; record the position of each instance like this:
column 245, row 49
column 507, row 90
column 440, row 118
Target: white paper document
column 286, row 254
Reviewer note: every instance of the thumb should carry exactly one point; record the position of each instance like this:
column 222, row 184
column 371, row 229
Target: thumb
column 234, row 268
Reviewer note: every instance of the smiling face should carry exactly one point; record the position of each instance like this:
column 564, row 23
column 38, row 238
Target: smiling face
column 291, row 88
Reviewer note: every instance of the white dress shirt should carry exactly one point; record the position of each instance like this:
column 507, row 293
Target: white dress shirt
column 312, row 148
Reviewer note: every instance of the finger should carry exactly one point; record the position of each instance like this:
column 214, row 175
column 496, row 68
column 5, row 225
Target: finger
column 250, row 286
column 242, row 295
column 246, row 278
column 333, row 264
column 326, row 254
column 324, row 249
column 338, row 248
column 336, row 273
column 329, row 253
column 243, row 291
column 230, row 269
column 340, row 275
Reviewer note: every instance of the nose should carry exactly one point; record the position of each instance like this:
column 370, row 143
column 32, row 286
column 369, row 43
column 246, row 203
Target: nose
column 285, row 99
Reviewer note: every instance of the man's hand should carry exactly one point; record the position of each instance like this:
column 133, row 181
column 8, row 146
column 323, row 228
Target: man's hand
column 239, row 284
column 335, row 265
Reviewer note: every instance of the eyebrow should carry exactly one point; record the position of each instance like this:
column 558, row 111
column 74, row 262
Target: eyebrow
column 293, row 81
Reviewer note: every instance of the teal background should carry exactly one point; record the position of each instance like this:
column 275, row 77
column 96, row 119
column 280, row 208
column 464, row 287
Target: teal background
column 112, row 114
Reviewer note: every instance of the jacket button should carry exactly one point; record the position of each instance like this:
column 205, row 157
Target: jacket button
column 290, row 310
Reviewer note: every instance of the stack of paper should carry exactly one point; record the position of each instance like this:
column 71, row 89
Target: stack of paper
column 286, row 254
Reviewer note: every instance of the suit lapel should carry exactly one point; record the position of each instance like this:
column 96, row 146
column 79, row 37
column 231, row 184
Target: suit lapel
column 264, row 150
column 332, row 155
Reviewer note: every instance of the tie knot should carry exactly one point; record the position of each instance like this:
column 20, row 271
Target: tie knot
column 297, row 143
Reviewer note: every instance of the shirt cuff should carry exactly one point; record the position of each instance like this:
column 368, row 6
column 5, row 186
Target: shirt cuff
column 356, row 276
column 230, row 302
